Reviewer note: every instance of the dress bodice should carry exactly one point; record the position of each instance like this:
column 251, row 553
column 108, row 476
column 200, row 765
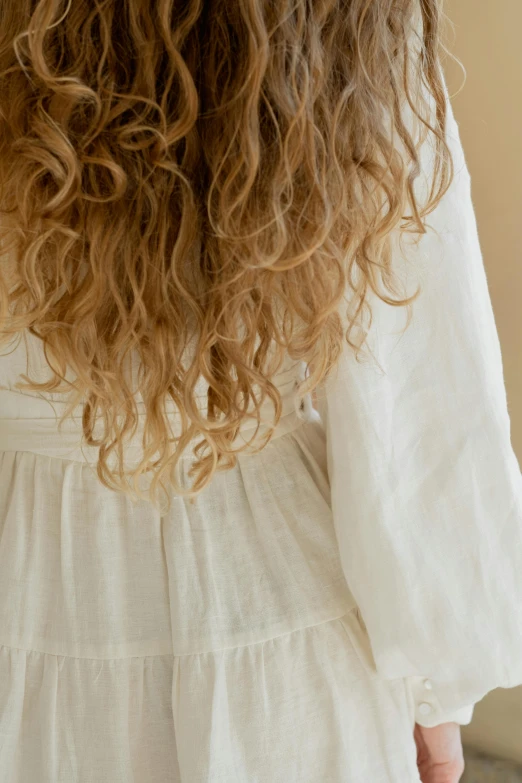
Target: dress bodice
column 29, row 419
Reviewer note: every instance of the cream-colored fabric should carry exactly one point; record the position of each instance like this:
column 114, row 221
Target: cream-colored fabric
column 218, row 642
column 426, row 488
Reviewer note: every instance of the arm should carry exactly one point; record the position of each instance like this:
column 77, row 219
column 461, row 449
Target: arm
column 426, row 488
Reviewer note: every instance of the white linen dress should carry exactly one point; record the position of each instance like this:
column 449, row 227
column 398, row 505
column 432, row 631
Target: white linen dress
column 216, row 642
column 359, row 574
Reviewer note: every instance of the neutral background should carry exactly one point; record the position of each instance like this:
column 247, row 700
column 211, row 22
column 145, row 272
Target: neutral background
column 485, row 36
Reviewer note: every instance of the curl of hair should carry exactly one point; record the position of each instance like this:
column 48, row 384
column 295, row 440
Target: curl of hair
column 220, row 175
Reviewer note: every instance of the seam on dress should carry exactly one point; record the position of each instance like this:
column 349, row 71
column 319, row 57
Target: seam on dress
column 173, row 654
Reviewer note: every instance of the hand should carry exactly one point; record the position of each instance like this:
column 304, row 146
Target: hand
column 439, row 753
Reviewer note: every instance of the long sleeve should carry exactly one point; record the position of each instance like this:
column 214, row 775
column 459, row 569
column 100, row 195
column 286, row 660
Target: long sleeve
column 426, row 488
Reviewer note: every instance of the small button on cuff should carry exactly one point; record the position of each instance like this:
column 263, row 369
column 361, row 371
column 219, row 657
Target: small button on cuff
column 425, row 708
column 428, row 685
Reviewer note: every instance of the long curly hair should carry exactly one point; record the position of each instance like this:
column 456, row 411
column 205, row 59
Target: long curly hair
column 221, row 174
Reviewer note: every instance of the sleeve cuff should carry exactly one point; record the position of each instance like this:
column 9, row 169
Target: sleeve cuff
column 427, row 709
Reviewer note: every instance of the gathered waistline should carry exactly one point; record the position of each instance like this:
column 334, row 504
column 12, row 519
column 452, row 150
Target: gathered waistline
column 39, row 432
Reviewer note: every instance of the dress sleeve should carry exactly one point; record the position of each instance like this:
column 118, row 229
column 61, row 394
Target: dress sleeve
column 426, row 488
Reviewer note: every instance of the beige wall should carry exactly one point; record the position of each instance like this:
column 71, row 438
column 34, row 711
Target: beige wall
column 486, row 38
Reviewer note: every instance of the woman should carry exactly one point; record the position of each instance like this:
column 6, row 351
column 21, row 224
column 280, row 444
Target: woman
column 210, row 212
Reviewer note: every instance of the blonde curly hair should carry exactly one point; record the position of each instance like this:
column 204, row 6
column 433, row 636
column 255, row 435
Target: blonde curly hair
column 225, row 173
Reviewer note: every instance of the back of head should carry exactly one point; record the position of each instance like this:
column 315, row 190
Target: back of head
column 200, row 185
